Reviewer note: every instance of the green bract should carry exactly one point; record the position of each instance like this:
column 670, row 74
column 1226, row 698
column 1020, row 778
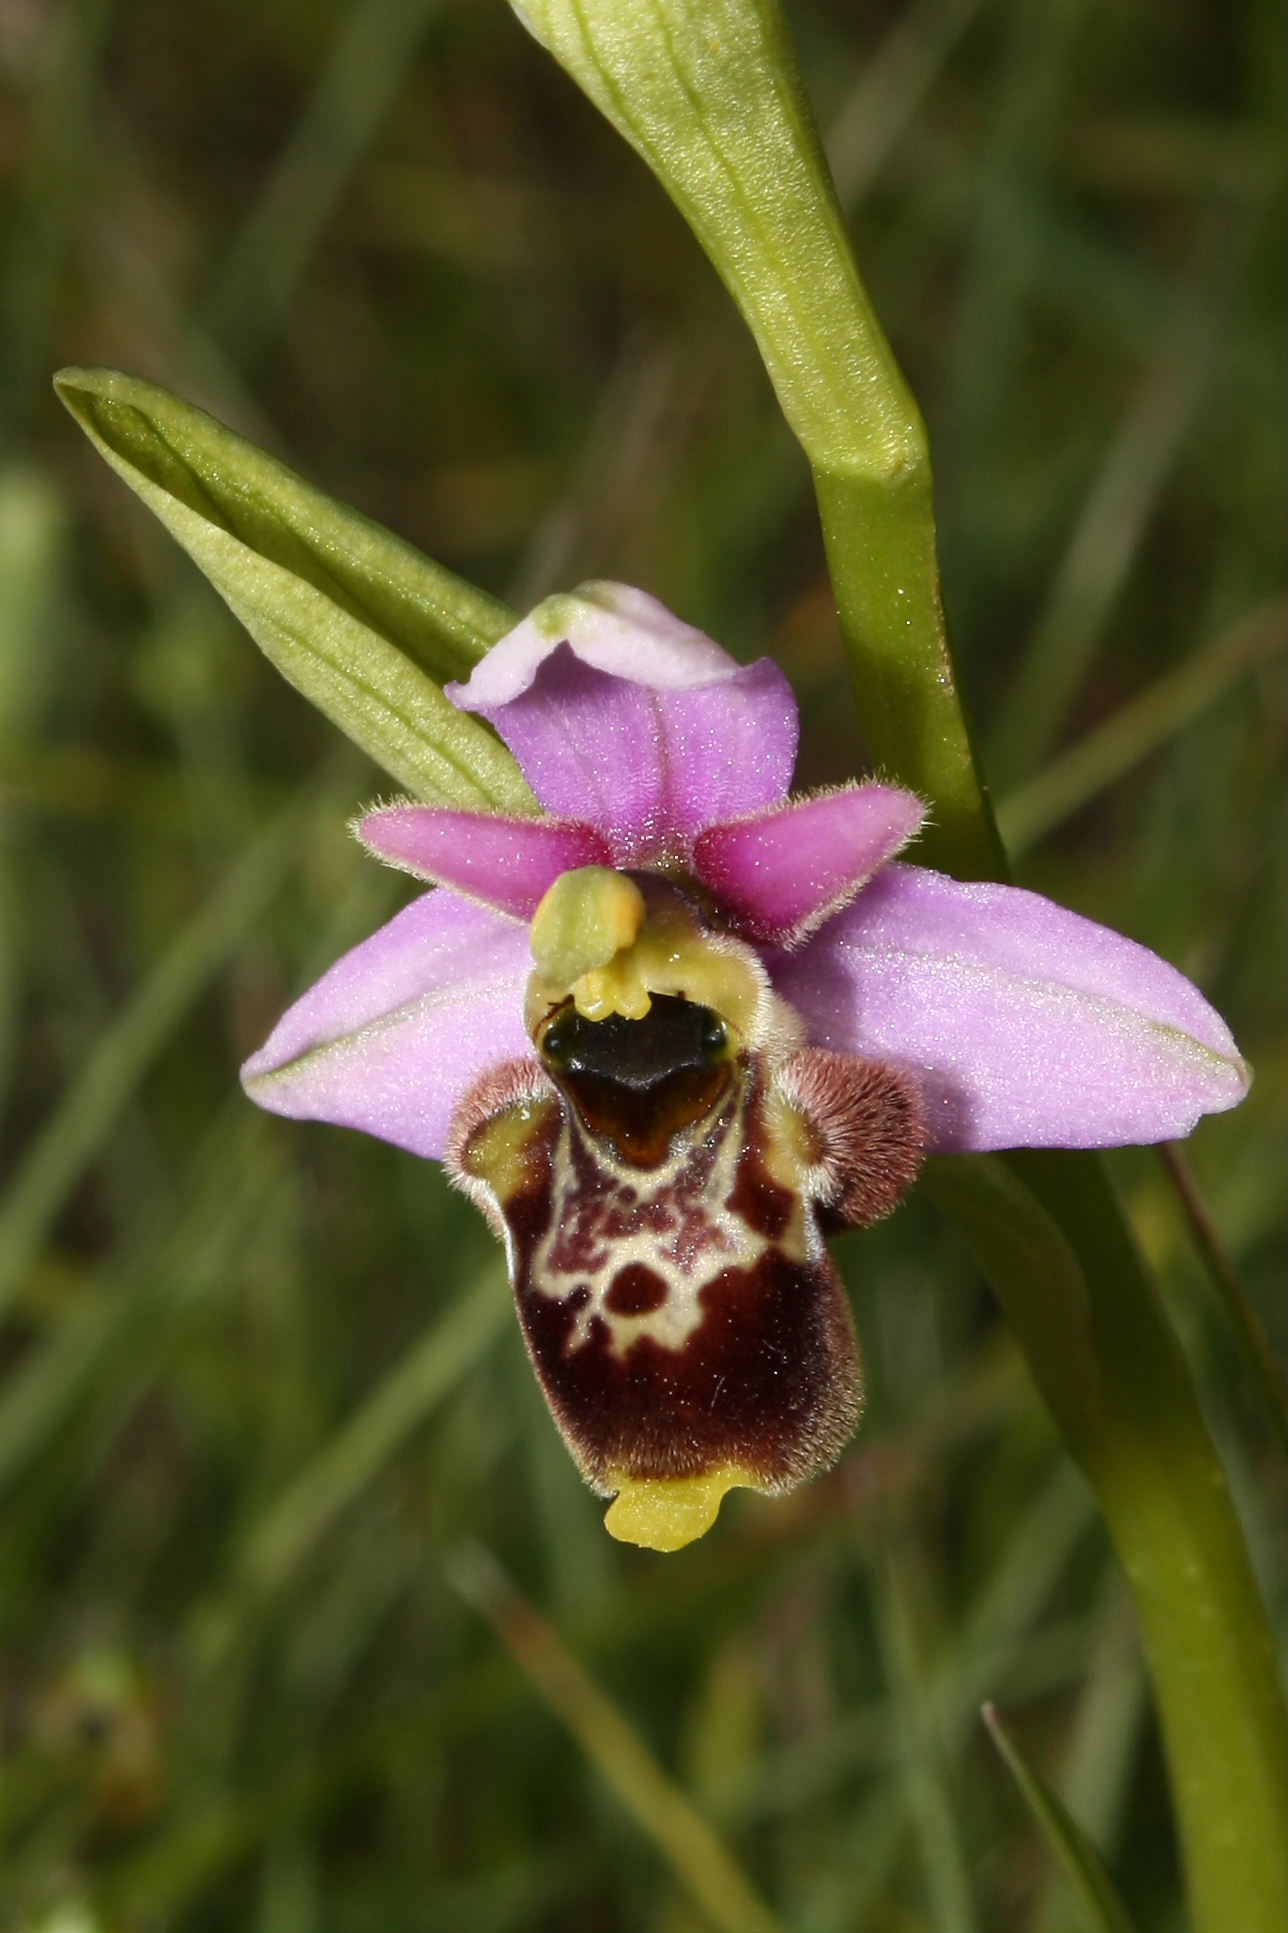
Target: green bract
column 358, row 621
column 712, row 98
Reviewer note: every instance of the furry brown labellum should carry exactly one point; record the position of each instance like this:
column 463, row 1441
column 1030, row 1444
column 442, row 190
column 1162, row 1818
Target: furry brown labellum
column 662, row 1184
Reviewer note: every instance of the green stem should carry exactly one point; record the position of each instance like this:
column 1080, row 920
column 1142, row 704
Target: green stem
column 1048, row 1232
column 880, row 538
column 710, row 96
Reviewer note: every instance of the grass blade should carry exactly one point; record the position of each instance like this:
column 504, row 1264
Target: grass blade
column 90, row 1107
column 659, row 1808
column 1103, row 1910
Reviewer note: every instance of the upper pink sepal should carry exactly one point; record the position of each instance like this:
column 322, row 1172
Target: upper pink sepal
column 1025, row 1024
column 639, row 725
column 784, row 871
column 611, row 627
column 391, row 1037
column 507, row 863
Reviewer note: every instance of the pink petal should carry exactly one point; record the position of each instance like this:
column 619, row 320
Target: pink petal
column 507, row 863
column 625, row 718
column 1026, row 1025
column 392, row 1036
column 788, row 869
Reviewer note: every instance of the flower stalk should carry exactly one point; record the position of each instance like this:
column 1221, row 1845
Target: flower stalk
column 1048, row 1233
column 710, row 96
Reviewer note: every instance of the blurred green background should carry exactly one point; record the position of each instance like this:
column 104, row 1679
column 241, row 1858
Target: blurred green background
column 285, row 1534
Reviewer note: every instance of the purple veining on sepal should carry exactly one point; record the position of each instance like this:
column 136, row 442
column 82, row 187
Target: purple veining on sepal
column 1026, row 1025
column 508, row 864
column 391, row 1037
column 785, row 871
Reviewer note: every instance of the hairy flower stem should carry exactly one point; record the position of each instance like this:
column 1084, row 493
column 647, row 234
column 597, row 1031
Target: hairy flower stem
column 710, row 96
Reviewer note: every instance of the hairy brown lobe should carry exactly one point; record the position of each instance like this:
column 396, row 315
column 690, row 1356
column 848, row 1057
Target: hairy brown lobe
column 869, row 1128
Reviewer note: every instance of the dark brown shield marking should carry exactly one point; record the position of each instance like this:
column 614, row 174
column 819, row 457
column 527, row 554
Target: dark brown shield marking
column 649, row 1172
column 769, row 1381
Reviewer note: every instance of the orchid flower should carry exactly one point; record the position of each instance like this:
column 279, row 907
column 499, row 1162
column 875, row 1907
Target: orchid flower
column 675, row 1030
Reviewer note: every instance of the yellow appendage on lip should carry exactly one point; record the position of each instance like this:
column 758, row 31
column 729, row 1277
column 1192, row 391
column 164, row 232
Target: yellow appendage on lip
column 666, row 1513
